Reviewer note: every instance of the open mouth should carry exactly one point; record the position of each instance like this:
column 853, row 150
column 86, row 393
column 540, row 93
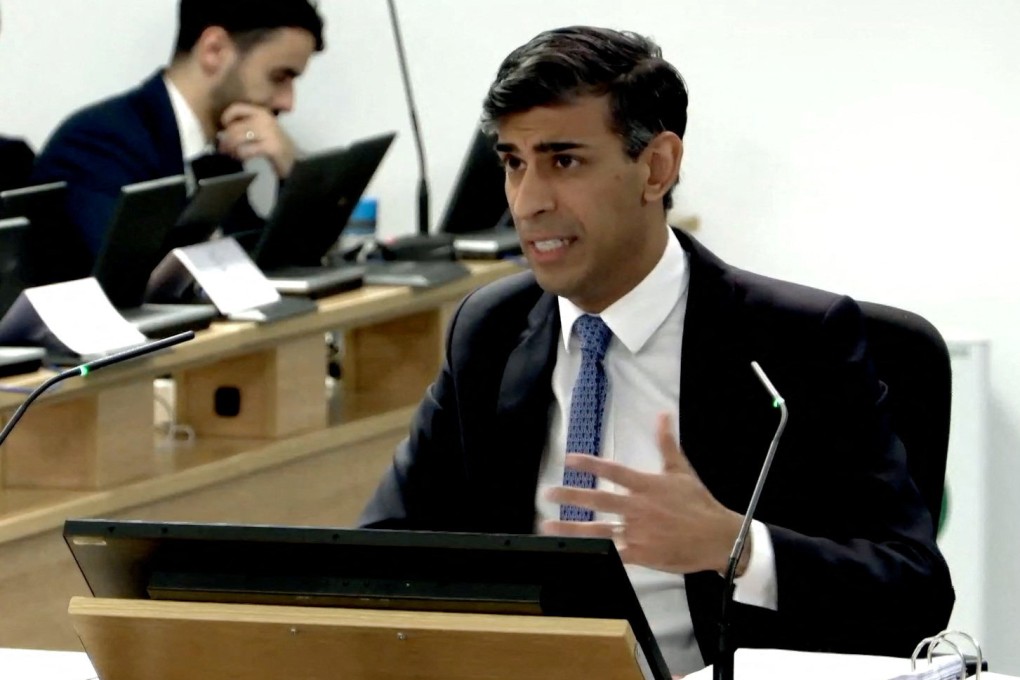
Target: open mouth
column 551, row 245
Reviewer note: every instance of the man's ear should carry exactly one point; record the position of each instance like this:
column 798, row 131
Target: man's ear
column 662, row 158
column 215, row 51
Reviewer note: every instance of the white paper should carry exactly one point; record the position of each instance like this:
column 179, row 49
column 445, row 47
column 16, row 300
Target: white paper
column 227, row 275
column 780, row 664
column 80, row 316
column 34, row 664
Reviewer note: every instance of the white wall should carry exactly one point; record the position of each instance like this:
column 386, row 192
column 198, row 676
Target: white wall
column 864, row 147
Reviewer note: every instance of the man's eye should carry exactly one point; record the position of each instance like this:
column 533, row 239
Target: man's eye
column 562, row 161
column 511, row 163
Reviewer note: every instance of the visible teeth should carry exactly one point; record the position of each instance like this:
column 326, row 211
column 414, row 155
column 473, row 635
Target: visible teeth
column 551, row 244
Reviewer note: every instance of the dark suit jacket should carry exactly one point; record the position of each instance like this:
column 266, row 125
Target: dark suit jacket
column 129, row 138
column 15, row 163
column 856, row 562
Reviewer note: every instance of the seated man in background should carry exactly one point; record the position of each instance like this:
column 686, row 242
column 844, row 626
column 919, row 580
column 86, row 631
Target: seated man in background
column 214, row 106
column 632, row 342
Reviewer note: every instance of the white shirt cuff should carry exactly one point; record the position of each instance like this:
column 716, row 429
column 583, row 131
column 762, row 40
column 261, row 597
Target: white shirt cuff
column 757, row 585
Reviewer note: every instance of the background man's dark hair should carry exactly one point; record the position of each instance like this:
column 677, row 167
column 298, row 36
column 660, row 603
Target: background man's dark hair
column 647, row 95
column 247, row 21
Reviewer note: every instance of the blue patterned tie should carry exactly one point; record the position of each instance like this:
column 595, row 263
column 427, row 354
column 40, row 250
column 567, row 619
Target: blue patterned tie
column 584, row 431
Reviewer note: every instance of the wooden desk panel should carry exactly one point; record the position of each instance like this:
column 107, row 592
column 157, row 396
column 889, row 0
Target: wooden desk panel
column 66, row 440
column 322, row 481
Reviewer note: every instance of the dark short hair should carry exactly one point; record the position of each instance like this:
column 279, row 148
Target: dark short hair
column 647, row 95
column 247, row 21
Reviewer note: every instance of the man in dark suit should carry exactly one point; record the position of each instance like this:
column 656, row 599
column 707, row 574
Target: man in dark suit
column 214, row 106
column 589, row 126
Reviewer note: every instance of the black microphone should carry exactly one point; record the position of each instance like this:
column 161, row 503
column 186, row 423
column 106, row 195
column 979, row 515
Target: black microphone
column 722, row 669
column 412, row 111
column 86, row 368
column 424, row 245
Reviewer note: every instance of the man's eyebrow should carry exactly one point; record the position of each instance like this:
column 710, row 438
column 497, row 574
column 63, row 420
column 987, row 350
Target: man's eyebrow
column 542, row 147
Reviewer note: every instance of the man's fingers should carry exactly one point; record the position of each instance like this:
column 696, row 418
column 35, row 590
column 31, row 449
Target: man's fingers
column 673, row 457
column 614, row 472
column 240, row 111
column 553, row 527
column 592, row 499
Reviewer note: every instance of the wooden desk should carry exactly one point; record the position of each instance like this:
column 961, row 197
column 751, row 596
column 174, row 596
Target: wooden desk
column 316, row 476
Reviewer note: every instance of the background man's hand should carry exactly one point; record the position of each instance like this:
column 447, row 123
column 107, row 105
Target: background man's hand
column 250, row 131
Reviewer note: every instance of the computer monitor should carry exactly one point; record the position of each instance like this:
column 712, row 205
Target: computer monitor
column 402, row 570
column 478, row 200
column 13, row 233
column 54, row 250
column 315, row 203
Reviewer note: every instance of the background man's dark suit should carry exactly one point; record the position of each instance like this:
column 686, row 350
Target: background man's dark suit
column 856, row 565
column 130, row 138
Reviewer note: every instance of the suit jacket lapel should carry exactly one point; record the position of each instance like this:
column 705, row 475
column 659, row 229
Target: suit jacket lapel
column 708, row 337
column 522, row 413
column 158, row 115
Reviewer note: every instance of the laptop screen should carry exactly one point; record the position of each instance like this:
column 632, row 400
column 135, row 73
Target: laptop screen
column 207, row 208
column 478, row 200
column 12, row 242
column 133, row 245
column 54, row 251
column 315, row 203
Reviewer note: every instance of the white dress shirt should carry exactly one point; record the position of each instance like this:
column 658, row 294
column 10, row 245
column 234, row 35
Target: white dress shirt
column 193, row 140
column 642, row 367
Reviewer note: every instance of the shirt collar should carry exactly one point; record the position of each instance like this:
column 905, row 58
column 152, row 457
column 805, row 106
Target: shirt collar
column 193, row 141
column 638, row 314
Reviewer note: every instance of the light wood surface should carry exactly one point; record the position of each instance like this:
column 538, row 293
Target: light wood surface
column 91, row 442
column 259, row 642
column 353, row 309
column 273, row 388
column 388, row 365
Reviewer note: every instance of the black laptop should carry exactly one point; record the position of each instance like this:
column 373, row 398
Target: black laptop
column 327, row 567
column 477, row 214
column 144, row 216
column 209, row 205
column 314, row 205
column 13, row 235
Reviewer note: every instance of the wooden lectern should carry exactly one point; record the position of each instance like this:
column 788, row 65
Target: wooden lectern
column 161, row 640
column 184, row 601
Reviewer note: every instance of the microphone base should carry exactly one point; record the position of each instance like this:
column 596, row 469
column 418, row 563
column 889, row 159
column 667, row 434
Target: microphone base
column 418, row 248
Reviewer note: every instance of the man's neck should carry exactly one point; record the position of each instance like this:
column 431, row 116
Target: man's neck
column 195, row 95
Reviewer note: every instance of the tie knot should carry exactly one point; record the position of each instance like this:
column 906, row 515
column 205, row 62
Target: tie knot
column 594, row 334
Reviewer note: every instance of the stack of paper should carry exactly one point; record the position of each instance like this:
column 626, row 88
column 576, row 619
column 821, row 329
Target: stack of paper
column 776, row 664
column 33, row 664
